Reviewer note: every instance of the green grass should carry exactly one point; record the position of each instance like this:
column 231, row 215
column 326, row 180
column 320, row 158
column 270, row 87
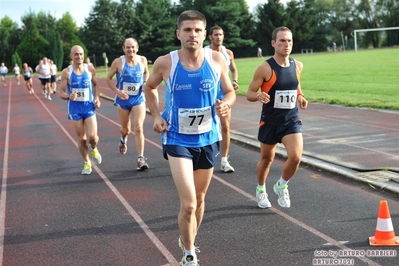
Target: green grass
column 368, row 78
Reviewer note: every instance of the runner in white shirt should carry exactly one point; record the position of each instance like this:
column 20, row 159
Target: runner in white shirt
column 3, row 71
column 44, row 75
column 17, row 74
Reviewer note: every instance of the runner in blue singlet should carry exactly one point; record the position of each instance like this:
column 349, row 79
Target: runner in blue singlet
column 131, row 72
column 28, row 72
column 216, row 36
column 189, row 124
column 80, row 88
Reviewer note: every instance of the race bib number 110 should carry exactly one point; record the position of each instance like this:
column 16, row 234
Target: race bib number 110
column 285, row 99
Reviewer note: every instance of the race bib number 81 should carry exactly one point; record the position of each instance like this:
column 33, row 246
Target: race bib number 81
column 285, row 99
column 195, row 120
column 82, row 95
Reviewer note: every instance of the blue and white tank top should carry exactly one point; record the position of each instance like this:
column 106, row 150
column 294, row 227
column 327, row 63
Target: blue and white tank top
column 190, row 99
column 227, row 58
column 83, row 87
column 131, row 78
column 28, row 73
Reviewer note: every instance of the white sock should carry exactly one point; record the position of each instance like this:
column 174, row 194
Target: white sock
column 224, row 160
column 190, row 253
column 282, row 182
column 261, row 188
column 123, row 140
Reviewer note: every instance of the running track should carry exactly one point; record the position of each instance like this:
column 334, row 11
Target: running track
column 51, row 215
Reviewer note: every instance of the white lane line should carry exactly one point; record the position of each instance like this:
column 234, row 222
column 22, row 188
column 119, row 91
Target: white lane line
column 295, row 221
column 165, row 252
column 3, row 196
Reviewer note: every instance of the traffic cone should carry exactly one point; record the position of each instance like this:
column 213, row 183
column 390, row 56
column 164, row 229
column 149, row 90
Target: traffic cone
column 384, row 233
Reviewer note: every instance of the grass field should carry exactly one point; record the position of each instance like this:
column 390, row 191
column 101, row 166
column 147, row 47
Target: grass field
column 368, row 78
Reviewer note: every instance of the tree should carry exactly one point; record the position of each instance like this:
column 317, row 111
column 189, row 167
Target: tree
column 16, row 60
column 156, row 27
column 67, row 34
column 300, row 18
column 45, row 23
column 125, row 13
column 230, row 17
column 342, row 18
column 67, row 29
column 268, row 17
column 390, row 18
column 369, row 14
column 33, row 47
column 56, row 51
column 8, row 30
column 99, row 32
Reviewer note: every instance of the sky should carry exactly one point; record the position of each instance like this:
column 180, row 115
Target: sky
column 79, row 9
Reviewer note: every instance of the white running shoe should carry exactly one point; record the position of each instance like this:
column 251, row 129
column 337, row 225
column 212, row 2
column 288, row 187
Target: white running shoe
column 189, row 261
column 96, row 156
column 30, row 91
column 283, row 195
column 86, row 168
column 226, row 167
column 263, row 200
column 49, row 98
column 142, row 164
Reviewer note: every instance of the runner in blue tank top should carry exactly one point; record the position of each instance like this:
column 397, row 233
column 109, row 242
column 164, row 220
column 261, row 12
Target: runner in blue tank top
column 131, row 72
column 216, row 36
column 189, row 124
column 280, row 92
column 28, row 72
column 80, row 88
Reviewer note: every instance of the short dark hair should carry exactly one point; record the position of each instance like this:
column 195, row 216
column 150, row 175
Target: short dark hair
column 190, row 15
column 276, row 30
column 216, row 27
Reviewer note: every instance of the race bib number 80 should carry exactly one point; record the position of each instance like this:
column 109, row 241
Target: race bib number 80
column 195, row 120
column 131, row 88
column 285, row 99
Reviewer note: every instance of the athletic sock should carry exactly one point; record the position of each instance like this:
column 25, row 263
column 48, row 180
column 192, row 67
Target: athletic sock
column 224, row 160
column 260, row 188
column 282, row 182
column 190, row 253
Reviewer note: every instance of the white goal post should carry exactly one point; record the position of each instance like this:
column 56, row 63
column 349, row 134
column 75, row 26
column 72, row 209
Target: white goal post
column 373, row 29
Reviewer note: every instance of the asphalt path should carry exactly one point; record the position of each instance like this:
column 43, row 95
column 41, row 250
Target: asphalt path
column 52, row 215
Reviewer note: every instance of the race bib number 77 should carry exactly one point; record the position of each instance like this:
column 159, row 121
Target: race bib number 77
column 195, row 120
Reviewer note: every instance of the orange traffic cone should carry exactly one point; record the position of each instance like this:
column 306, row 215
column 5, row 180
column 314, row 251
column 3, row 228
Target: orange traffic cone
column 384, row 233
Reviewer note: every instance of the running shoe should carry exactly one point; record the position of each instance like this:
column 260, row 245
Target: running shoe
column 263, row 200
column 96, row 156
column 283, row 195
column 86, row 168
column 49, row 98
column 45, row 95
column 180, row 241
column 189, row 261
column 141, row 164
column 122, row 147
column 226, row 167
